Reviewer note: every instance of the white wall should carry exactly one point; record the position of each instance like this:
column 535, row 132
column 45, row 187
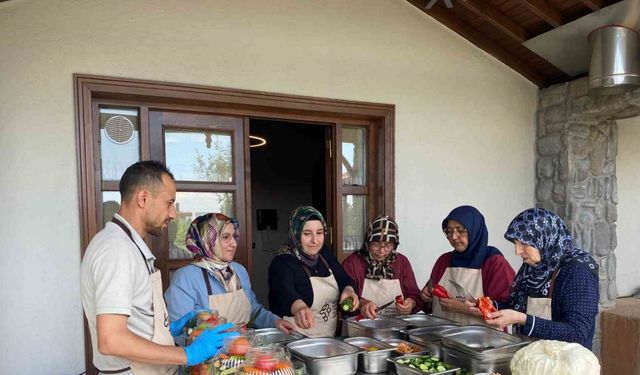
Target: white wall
column 628, row 173
column 464, row 124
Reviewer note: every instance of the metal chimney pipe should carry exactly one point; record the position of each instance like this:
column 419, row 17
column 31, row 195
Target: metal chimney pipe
column 615, row 59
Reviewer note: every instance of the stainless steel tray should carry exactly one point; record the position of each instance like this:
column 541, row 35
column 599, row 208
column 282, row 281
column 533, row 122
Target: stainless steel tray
column 402, row 369
column 418, row 349
column 371, row 361
column 430, row 337
column 422, row 320
column 266, row 336
column 381, row 328
column 326, row 356
column 499, row 364
column 482, row 341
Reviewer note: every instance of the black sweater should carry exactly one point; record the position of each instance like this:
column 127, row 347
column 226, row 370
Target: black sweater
column 288, row 281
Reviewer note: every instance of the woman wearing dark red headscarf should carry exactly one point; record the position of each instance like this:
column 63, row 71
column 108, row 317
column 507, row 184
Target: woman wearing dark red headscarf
column 381, row 273
column 480, row 269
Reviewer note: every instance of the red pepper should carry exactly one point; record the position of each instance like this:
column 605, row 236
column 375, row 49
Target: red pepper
column 486, row 306
column 399, row 300
column 440, row 292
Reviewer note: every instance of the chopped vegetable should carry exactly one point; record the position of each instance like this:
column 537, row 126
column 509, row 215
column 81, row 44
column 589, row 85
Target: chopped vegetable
column 425, row 363
column 440, row 292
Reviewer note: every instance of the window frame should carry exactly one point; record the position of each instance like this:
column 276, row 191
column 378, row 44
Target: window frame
column 91, row 91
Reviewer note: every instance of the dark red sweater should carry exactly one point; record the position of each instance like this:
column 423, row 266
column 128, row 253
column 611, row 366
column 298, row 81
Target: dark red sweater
column 497, row 275
column 356, row 267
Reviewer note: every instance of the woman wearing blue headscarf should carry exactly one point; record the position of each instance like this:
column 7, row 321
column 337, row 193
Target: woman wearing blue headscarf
column 555, row 293
column 480, row 269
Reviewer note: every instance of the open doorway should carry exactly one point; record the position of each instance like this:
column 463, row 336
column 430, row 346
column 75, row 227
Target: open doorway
column 288, row 171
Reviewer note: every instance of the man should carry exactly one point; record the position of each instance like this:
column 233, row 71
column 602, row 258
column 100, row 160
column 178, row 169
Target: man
column 122, row 291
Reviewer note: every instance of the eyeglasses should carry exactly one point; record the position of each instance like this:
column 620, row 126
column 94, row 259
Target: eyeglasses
column 459, row 231
column 379, row 245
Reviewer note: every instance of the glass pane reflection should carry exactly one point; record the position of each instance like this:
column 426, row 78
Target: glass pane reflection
column 354, row 215
column 353, row 156
column 199, row 155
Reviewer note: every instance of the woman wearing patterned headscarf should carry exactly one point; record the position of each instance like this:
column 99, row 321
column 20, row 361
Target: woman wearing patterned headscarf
column 480, row 269
column 555, row 293
column 380, row 273
column 306, row 282
column 214, row 281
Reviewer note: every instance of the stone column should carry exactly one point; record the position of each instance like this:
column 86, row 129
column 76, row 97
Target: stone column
column 576, row 148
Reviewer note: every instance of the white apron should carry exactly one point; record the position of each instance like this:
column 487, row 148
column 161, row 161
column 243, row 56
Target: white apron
column 161, row 334
column 324, row 307
column 541, row 306
column 234, row 306
column 471, row 280
column 381, row 292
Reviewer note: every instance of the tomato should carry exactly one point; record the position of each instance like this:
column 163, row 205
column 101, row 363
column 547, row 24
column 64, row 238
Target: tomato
column 239, row 346
column 265, row 363
column 399, row 300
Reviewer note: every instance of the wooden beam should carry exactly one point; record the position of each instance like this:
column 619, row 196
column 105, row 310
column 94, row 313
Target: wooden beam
column 545, row 11
column 594, row 5
column 488, row 13
column 449, row 19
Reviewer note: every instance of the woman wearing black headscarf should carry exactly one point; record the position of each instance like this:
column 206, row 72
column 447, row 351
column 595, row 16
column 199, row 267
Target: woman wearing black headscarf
column 480, row 269
column 306, row 281
column 555, row 293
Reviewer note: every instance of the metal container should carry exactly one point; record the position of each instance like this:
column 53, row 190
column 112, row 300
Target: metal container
column 326, row 356
column 381, row 328
column 422, row 320
column 482, row 342
column 371, row 361
column 475, row 365
column 615, row 62
column 265, row 336
column 417, row 349
column 430, row 337
column 402, row 369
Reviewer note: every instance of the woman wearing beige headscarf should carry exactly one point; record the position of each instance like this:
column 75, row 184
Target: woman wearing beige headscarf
column 214, row 280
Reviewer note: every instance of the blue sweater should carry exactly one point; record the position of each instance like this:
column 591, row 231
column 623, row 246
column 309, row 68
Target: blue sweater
column 574, row 306
column 188, row 292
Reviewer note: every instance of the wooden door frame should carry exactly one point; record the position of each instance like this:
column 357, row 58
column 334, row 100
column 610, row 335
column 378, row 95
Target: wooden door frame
column 223, row 101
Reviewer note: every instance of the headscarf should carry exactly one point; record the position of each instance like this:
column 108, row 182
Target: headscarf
column 298, row 218
column 203, row 240
column 382, row 229
column 548, row 233
column 477, row 250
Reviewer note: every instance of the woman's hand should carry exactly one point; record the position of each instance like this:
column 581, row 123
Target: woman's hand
column 302, row 314
column 503, row 318
column 368, row 309
column 406, row 307
column 349, row 292
column 472, row 308
column 284, row 326
column 425, row 294
column 453, row 304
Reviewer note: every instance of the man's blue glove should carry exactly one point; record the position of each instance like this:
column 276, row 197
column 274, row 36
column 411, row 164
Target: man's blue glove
column 177, row 326
column 207, row 344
